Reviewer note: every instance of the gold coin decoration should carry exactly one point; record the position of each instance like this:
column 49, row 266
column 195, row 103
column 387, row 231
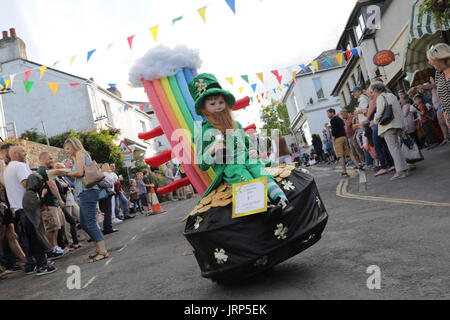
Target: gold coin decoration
column 204, row 209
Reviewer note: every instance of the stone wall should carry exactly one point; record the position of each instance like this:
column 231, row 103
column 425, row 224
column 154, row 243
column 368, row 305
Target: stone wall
column 35, row 149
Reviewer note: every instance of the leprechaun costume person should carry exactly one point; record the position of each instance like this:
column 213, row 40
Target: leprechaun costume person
column 223, row 144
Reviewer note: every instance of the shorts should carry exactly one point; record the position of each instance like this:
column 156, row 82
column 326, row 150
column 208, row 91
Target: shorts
column 144, row 200
column 53, row 218
column 355, row 149
column 341, row 147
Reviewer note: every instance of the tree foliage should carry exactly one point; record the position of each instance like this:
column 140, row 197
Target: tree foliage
column 276, row 116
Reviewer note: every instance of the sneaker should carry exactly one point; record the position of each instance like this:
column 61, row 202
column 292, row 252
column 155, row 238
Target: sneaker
column 115, row 220
column 45, row 270
column 56, row 254
column 345, row 174
column 128, row 217
column 30, row 270
column 13, row 269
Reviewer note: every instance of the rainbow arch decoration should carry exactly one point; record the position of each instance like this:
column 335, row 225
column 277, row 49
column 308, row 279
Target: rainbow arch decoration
column 165, row 74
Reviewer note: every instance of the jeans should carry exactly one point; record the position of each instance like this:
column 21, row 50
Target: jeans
column 22, row 237
column 381, row 149
column 88, row 214
column 106, row 208
column 124, row 202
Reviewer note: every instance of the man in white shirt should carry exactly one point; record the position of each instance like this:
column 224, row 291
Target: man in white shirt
column 361, row 112
column 15, row 177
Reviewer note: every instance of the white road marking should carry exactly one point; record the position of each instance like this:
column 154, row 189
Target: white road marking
column 133, row 238
column 108, row 262
column 89, row 282
column 122, row 248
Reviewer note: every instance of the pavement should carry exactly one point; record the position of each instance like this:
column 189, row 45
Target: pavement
column 399, row 229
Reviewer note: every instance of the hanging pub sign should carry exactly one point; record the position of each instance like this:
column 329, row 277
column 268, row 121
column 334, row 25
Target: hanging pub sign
column 384, row 58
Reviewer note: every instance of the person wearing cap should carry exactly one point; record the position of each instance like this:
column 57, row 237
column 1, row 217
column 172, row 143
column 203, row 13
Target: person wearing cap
column 439, row 57
column 224, row 145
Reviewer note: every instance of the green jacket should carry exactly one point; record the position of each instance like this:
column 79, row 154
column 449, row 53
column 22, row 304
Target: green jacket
column 241, row 147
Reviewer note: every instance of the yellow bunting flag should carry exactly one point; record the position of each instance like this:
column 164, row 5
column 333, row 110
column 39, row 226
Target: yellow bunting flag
column 230, row 80
column 154, row 32
column 202, row 12
column 54, row 87
column 261, row 77
column 43, row 68
column 340, row 57
column 294, row 75
column 241, row 89
column 315, row 64
column 130, row 85
column 71, row 60
column 6, row 84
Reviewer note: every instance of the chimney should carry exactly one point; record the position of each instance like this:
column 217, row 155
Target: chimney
column 12, row 47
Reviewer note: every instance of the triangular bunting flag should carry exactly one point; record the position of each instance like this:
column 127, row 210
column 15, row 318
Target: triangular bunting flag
column 232, row 5
column 56, row 62
column 42, row 69
column 262, row 94
column 241, row 89
column 245, row 77
column 73, row 84
column 130, row 41
column 11, row 79
column 27, row 75
column 112, row 85
column 340, row 58
column 277, row 74
column 328, row 60
column 176, row 20
column 71, row 60
column 349, row 54
column 294, row 75
column 54, row 87
column 109, row 46
column 304, row 68
column 143, row 106
column 28, row 85
column 202, row 13
column 261, row 77
column 2, row 83
column 130, row 85
column 355, row 52
column 230, row 80
column 254, row 87
column 327, row 66
column 154, row 32
column 90, row 53
column 315, row 64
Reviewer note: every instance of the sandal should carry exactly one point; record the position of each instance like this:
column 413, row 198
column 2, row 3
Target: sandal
column 98, row 257
column 381, row 172
column 93, row 254
column 76, row 246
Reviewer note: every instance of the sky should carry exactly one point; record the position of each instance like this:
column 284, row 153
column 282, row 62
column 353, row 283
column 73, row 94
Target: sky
column 263, row 35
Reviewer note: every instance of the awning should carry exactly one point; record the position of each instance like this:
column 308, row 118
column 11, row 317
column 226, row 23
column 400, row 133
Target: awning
column 423, row 31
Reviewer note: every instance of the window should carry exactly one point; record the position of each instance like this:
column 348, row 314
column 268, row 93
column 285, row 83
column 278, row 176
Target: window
column 361, row 27
column 319, row 88
column 106, row 111
column 296, row 104
column 343, row 98
column 354, row 80
column 144, row 127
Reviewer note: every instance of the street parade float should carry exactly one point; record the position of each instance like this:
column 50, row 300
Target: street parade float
column 228, row 244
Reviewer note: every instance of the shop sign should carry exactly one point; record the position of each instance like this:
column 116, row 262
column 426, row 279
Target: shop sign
column 384, row 58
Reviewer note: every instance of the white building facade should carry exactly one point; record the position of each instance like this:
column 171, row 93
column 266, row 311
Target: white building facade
column 79, row 104
column 310, row 97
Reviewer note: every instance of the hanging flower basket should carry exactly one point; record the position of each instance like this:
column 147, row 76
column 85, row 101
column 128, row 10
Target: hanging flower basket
column 438, row 9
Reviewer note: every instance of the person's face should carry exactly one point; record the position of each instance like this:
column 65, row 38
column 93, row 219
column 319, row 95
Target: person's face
column 140, row 176
column 133, row 183
column 215, row 104
column 357, row 94
column 417, row 101
column 58, row 166
column 112, row 167
column 4, row 154
column 344, row 115
column 432, row 81
column 439, row 65
column 330, row 115
column 49, row 163
column 21, row 155
column 69, row 164
column 69, row 150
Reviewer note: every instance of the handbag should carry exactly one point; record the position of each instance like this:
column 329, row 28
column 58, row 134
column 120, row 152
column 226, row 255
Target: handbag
column 92, row 175
column 103, row 194
column 388, row 114
column 410, row 149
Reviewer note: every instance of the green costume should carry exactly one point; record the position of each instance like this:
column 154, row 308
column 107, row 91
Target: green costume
column 236, row 166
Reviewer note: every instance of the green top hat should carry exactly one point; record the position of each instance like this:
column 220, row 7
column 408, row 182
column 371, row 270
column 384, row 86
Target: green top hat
column 204, row 85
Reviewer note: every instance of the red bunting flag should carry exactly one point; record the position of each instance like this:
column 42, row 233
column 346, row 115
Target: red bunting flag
column 27, row 75
column 349, row 54
column 130, row 41
column 74, row 84
column 279, row 78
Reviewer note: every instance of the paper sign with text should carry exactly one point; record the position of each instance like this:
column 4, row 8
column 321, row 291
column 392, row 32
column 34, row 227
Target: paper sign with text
column 249, row 197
